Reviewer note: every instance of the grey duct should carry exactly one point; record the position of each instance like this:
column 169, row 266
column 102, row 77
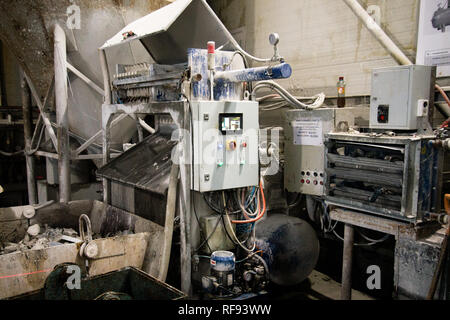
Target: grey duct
column 62, row 117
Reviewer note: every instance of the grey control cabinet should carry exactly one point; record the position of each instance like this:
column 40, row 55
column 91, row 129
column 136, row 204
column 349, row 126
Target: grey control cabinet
column 225, row 145
column 304, row 148
column 401, row 96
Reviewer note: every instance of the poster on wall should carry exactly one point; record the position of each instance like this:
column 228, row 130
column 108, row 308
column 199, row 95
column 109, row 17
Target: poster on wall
column 433, row 45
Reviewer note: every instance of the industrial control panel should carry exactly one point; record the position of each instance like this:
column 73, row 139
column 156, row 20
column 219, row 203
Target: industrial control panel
column 304, row 148
column 401, row 96
column 225, row 145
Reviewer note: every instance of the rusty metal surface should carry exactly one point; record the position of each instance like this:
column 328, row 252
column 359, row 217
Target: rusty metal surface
column 26, row 271
column 415, row 262
column 389, row 226
column 369, row 222
column 13, row 224
column 125, row 284
column 145, row 166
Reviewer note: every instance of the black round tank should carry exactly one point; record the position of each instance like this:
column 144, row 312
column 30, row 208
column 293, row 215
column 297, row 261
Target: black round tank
column 289, row 246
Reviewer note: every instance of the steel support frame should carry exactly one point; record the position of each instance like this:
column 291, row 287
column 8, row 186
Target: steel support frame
column 27, row 129
column 347, row 262
column 353, row 219
column 180, row 113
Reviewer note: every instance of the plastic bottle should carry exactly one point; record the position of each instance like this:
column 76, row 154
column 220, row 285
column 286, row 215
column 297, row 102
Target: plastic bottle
column 341, row 92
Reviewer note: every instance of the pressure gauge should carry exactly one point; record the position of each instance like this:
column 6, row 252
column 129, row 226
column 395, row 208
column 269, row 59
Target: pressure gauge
column 274, row 38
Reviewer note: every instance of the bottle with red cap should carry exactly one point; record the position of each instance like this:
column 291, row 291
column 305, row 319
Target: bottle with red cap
column 341, row 92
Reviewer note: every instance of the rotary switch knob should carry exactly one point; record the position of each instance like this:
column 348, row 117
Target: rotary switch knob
column 231, row 145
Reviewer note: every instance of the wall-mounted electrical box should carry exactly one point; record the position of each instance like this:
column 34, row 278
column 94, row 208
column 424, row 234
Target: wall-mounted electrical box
column 304, row 144
column 226, row 137
column 401, row 96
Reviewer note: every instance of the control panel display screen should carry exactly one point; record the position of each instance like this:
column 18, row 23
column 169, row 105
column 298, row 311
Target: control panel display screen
column 231, row 123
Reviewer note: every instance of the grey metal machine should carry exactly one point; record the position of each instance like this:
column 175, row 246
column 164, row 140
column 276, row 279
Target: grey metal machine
column 304, row 150
column 213, row 139
column 383, row 174
column 401, row 97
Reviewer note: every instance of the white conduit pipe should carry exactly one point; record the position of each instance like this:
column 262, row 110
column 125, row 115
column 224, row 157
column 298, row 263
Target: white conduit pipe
column 146, row 126
column 378, row 33
column 320, row 98
column 384, row 39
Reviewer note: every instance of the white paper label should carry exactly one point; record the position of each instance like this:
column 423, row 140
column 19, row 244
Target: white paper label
column 308, row 132
column 433, row 42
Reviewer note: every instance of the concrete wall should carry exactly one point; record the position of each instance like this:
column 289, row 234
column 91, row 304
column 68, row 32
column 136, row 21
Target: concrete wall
column 321, row 39
column 11, row 78
column 26, row 30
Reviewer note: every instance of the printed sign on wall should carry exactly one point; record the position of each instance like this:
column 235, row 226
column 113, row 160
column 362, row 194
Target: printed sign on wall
column 308, row 132
column 433, row 45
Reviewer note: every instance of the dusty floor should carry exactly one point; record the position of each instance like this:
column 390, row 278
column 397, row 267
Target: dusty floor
column 323, row 287
column 318, row 286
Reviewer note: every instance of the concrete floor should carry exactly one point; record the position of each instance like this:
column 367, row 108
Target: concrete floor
column 318, row 286
column 323, row 287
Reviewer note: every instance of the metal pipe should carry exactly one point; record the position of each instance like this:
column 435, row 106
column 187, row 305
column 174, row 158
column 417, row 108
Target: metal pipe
column 85, row 79
column 62, row 117
column 444, row 109
column 27, row 122
column 106, row 131
column 92, row 139
column 184, row 247
column 105, row 73
column 281, row 71
column 290, row 99
column 168, row 225
column 146, row 126
column 347, row 260
column 378, row 33
column 140, row 132
column 41, row 107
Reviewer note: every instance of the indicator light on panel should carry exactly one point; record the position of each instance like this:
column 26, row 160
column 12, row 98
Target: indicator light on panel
column 231, row 145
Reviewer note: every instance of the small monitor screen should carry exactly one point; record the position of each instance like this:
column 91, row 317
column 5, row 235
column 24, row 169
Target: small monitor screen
column 231, row 123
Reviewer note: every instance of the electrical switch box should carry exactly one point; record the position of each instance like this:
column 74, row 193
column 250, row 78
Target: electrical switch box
column 304, row 149
column 401, row 96
column 225, row 145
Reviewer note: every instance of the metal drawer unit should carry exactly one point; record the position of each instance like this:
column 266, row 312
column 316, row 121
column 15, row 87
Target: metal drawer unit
column 396, row 177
